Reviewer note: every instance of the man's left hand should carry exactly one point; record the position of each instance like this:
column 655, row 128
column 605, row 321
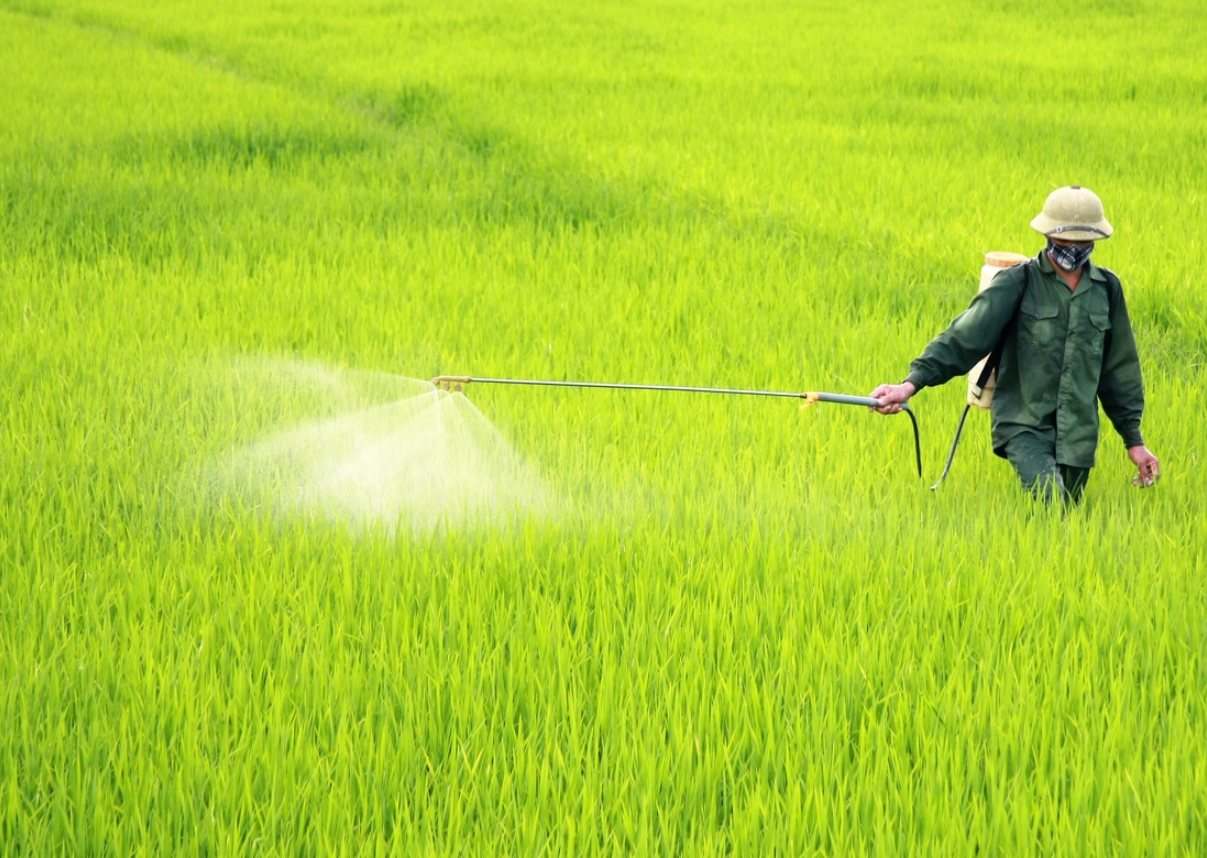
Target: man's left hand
column 1146, row 463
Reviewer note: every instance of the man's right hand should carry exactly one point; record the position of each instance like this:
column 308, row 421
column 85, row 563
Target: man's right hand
column 893, row 396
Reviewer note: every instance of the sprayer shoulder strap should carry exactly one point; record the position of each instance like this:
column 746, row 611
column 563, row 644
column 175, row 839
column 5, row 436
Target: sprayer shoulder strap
column 1116, row 286
column 995, row 356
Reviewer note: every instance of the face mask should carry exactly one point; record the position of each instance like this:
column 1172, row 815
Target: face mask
column 1071, row 257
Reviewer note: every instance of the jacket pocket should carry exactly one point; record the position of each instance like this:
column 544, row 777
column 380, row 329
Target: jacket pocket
column 1037, row 322
column 1096, row 333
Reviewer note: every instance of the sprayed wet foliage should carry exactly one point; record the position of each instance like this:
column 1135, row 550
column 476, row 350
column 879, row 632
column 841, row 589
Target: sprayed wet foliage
column 265, row 591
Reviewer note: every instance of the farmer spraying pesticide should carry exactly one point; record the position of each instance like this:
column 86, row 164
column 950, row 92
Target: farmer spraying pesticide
column 1059, row 329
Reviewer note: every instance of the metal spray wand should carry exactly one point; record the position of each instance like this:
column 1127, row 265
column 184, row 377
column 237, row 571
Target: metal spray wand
column 457, row 382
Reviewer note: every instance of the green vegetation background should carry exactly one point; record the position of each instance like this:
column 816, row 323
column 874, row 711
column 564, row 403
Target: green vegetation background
column 756, row 632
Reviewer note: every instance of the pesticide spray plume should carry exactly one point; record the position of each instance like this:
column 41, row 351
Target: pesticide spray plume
column 457, row 383
column 371, row 451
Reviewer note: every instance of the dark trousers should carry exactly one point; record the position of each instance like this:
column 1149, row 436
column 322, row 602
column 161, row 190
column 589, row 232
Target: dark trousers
column 1035, row 460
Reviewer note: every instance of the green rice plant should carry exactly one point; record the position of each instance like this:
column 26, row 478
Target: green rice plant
column 728, row 626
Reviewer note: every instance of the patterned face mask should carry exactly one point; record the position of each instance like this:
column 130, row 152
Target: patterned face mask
column 1070, row 257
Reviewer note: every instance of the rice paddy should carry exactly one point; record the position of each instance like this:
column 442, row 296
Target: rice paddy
column 265, row 591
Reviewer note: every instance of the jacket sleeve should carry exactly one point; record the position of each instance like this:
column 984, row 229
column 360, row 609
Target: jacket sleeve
column 972, row 335
column 1121, row 386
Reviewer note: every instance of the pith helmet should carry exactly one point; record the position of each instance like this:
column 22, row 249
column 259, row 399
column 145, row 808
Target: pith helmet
column 1074, row 213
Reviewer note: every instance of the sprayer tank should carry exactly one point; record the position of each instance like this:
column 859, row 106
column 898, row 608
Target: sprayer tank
column 995, row 263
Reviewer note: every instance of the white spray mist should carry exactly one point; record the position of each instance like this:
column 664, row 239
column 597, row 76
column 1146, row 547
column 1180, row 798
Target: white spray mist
column 420, row 463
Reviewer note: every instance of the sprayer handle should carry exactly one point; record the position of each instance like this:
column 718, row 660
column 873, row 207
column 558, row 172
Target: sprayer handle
column 844, row 399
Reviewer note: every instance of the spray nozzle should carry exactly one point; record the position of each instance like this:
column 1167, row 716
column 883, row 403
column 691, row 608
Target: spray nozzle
column 809, row 398
column 452, row 383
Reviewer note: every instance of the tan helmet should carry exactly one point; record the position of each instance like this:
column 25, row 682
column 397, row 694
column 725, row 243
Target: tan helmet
column 1074, row 213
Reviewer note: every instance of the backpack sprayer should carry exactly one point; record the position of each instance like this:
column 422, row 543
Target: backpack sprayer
column 982, row 380
column 457, row 382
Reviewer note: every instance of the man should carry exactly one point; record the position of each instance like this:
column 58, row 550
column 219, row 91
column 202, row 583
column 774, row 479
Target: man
column 1066, row 345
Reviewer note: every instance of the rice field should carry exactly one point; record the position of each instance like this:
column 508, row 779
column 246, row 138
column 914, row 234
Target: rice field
column 265, row 592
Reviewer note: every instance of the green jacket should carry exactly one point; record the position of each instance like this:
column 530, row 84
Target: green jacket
column 1063, row 353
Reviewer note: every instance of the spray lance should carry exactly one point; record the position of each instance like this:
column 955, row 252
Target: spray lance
column 457, row 382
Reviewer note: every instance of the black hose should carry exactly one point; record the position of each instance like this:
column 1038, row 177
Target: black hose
column 917, row 439
column 954, row 443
